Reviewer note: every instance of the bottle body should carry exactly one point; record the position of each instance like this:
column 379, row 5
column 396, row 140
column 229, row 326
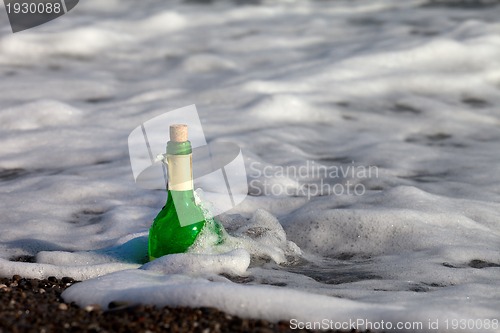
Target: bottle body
column 180, row 221
column 166, row 235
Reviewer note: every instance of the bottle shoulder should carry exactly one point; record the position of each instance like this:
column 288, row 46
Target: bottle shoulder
column 181, row 210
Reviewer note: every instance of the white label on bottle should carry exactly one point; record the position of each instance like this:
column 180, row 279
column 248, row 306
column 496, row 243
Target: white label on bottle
column 180, row 174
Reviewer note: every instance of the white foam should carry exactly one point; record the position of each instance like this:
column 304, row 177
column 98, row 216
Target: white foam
column 182, row 290
column 235, row 263
column 43, row 271
column 39, row 114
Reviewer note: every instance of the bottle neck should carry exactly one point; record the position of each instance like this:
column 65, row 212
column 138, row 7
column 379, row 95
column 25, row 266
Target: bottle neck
column 180, row 166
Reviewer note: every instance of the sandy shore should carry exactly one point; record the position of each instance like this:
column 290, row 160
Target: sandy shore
column 30, row 305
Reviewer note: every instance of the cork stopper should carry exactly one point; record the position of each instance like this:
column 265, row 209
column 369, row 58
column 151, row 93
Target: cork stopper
column 178, row 133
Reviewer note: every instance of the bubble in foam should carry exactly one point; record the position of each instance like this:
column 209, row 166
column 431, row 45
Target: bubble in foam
column 262, row 236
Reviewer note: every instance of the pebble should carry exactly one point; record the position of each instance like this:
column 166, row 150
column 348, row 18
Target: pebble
column 63, row 307
column 67, row 280
column 115, row 305
column 92, row 307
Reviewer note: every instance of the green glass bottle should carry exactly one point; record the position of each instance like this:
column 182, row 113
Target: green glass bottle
column 180, row 221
